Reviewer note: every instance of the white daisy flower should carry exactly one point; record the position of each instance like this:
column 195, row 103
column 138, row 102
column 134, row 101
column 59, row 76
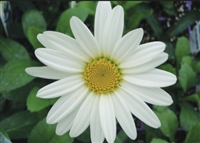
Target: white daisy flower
column 103, row 77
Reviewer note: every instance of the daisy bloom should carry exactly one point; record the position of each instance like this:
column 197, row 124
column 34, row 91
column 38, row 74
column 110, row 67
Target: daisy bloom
column 102, row 79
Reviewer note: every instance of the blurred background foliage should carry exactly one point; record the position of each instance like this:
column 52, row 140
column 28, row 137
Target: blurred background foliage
column 173, row 22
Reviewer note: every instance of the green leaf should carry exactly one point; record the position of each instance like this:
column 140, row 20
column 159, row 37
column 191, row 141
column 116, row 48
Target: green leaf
column 19, row 124
column 24, row 5
column 36, row 104
column 63, row 22
column 4, row 139
column 12, row 50
column 122, row 136
column 197, row 66
column 129, row 4
column 187, row 60
column 89, row 6
column 193, row 98
column 169, row 68
column 19, row 94
column 186, row 77
column 44, row 133
column 155, row 26
column 138, row 13
column 188, row 19
column 188, row 116
column 32, row 36
column 193, row 134
column 168, row 7
column 182, row 48
column 169, row 121
column 170, row 50
column 85, row 136
column 33, row 18
column 15, row 30
column 157, row 140
column 13, row 74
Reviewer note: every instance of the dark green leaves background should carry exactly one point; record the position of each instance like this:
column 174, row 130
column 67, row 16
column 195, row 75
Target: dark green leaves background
column 23, row 115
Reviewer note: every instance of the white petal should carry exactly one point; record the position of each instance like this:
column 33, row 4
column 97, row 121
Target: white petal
column 44, row 42
column 151, row 95
column 113, row 30
column 58, row 61
column 126, row 46
column 149, row 65
column 66, row 105
column 102, row 11
column 46, row 72
column 153, row 78
column 82, row 119
column 96, row 132
column 144, row 53
column 107, row 117
column 64, row 43
column 65, row 124
column 84, row 37
column 124, row 116
column 61, row 87
column 139, row 108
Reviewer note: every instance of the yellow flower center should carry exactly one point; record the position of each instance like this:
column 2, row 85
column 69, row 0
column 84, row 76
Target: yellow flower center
column 102, row 76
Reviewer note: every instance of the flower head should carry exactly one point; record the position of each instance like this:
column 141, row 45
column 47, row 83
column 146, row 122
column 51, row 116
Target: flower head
column 103, row 77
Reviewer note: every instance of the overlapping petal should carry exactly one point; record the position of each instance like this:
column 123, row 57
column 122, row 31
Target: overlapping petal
column 65, row 124
column 153, row 78
column 113, row 30
column 140, row 109
column 59, row 61
column 148, row 66
column 124, row 116
column 153, row 95
column 66, row 105
column 96, row 132
column 84, row 114
column 46, row 72
column 144, row 53
column 61, row 87
column 107, row 117
column 63, row 43
column 84, row 37
column 102, row 11
column 127, row 44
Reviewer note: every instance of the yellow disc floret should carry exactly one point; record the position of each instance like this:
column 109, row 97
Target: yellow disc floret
column 102, row 76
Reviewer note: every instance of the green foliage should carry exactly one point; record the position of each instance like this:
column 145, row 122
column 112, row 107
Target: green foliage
column 64, row 20
column 14, row 75
column 185, row 21
column 169, row 121
column 33, row 18
column 44, row 133
column 155, row 25
column 12, row 50
column 32, row 36
column 169, row 68
column 89, row 6
column 182, row 49
column 186, row 77
column 156, row 140
column 193, row 136
column 36, row 104
column 19, row 124
column 138, row 13
column 188, row 116
column 168, row 7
